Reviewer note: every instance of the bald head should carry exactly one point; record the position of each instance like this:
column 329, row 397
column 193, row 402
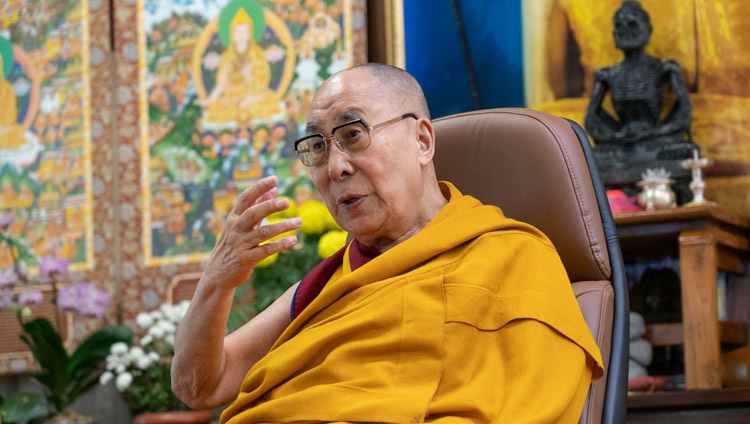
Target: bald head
column 396, row 79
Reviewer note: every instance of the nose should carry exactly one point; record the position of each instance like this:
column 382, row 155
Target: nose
column 339, row 165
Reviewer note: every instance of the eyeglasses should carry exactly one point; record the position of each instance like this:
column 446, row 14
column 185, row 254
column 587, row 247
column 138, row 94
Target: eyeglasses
column 351, row 137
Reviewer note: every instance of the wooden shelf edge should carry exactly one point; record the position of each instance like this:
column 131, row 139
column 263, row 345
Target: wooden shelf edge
column 681, row 213
column 672, row 334
column 690, row 398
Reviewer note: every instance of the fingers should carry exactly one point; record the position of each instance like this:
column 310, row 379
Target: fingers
column 245, row 242
column 256, row 203
column 265, row 250
column 237, row 251
column 253, row 216
column 264, row 189
column 270, row 194
column 267, row 240
column 271, row 232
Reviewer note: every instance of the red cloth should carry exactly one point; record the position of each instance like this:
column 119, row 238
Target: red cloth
column 646, row 383
column 621, row 202
column 316, row 279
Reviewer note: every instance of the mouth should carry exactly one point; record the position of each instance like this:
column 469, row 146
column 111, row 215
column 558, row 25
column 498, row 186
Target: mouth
column 350, row 201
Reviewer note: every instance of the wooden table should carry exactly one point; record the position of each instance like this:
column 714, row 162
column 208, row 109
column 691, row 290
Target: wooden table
column 706, row 239
column 726, row 406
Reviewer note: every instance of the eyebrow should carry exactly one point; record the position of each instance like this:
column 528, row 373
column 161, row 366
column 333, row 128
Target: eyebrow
column 345, row 116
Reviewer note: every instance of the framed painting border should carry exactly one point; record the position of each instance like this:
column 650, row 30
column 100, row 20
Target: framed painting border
column 94, row 207
column 385, row 32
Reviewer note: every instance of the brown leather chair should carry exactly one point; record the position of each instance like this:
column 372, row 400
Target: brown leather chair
column 539, row 169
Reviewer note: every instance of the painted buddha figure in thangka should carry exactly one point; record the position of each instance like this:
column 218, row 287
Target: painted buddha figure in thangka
column 241, row 92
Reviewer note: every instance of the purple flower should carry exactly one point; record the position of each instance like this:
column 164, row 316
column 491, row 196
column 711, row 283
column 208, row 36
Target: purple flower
column 97, row 304
column 51, row 267
column 6, row 218
column 67, row 297
column 85, row 299
column 6, row 301
column 8, row 278
column 30, row 297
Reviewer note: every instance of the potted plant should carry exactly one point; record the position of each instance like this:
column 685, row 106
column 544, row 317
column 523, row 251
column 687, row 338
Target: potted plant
column 63, row 375
column 141, row 372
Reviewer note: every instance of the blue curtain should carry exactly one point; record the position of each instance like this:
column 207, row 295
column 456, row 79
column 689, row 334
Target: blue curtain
column 435, row 54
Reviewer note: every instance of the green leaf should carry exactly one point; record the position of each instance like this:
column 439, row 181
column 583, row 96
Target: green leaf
column 19, row 406
column 86, row 362
column 96, row 347
column 47, row 347
column 64, row 377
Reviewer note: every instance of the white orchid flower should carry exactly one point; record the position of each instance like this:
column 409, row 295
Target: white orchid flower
column 123, row 381
column 106, row 377
column 119, row 348
column 156, row 332
column 167, row 327
column 136, row 352
column 143, row 362
column 144, row 320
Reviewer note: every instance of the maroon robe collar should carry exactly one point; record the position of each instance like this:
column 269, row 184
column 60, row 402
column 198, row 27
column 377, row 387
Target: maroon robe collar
column 311, row 285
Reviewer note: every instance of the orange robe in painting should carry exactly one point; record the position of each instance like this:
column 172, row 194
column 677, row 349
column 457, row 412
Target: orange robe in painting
column 471, row 320
column 11, row 133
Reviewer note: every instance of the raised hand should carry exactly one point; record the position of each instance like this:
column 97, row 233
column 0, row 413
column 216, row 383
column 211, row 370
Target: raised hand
column 244, row 241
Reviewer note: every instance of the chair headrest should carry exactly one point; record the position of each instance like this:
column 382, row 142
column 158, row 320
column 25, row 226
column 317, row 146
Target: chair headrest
column 530, row 164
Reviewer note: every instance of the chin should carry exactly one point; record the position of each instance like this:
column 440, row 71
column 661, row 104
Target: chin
column 365, row 235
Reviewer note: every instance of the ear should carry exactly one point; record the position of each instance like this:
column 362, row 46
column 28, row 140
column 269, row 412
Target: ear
column 426, row 141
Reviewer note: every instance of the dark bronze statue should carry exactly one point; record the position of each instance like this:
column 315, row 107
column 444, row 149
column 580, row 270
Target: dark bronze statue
column 639, row 137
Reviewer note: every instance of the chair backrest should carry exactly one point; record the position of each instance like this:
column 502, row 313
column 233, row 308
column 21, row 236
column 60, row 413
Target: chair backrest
column 539, row 169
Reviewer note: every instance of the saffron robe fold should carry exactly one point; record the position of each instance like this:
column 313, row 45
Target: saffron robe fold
column 473, row 319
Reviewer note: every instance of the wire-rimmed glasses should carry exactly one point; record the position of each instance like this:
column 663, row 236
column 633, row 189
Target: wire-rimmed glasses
column 351, row 137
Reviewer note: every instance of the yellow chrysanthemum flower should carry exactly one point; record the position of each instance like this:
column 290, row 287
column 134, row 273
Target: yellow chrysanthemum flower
column 268, row 261
column 331, row 242
column 331, row 224
column 313, row 214
column 288, row 213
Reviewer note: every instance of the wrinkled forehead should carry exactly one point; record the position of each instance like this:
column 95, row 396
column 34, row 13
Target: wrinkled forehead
column 323, row 123
column 347, row 96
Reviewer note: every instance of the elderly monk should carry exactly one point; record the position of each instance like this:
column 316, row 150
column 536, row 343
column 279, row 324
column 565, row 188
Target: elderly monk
column 440, row 309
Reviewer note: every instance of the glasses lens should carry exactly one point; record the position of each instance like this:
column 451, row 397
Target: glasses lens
column 352, row 138
column 312, row 150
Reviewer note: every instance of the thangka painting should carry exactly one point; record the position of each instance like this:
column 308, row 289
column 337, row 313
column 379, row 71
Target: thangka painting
column 226, row 86
column 45, row 130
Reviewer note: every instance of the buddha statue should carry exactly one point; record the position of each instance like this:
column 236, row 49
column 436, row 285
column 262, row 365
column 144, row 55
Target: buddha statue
column 11, row 132
column 241, row 92
column 639, row 136
column 568, row 40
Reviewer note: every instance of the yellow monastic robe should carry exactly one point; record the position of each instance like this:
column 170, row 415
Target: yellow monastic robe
column 471, row 320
